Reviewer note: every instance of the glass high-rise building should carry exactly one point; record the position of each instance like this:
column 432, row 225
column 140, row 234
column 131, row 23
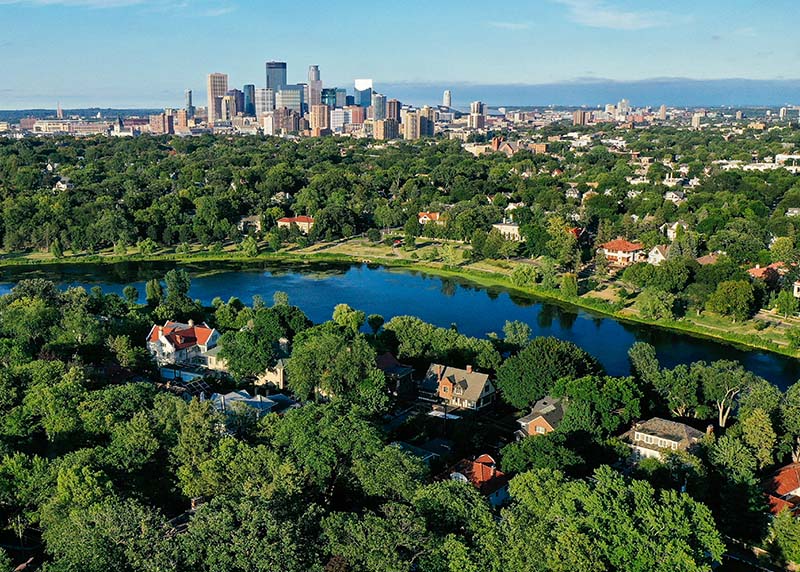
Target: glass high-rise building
column 328, row 97
column 290, row 97
column 363, row 92
column 276, row 75
column 314, row 86
column 249, row 99
column 378, row 106
column 265, row 101
column 189, row 105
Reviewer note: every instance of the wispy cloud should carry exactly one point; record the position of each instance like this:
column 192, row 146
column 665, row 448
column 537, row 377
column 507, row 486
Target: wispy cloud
column 219, row 11
column 513, row 26
column 602, row 14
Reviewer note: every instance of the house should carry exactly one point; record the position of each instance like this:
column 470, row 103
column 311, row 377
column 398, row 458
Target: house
column 783, row 489
column 708, row 259
column 654, row 437
column 423, row 455
column 214, row 361
column 248, row 223
column 240, row 401
column 63, row 185
column 658, row 254
column 304, row 223
column 793, row 211
column 482, row 473
column 572, row 192
column 275, row 376
column 675, row 197
column 545, row 416
column 621, row 252
column 458, row 388
column 796, row 288
column 398, row 375
column 177, row 343
column 671, row 229
column 509, row 230
column 770, row 273
column 426, row 217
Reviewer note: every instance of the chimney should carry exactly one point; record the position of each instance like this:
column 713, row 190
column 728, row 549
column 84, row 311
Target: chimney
column 160, row 331
column 191, row 323
column 469, row 369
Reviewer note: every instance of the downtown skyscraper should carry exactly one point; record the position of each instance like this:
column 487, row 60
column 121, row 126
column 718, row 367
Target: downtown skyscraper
column 276, row 75
column 217, row 88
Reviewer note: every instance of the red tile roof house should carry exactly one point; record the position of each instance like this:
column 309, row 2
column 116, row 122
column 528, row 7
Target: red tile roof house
column 177, row 343
column 304, row 223
column 620, row 252
column 769, row 273
column 483, row 474
column 783, row 489
column 426, row 217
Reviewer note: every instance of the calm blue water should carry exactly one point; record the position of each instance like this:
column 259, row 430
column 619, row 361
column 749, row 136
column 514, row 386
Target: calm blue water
column 475, row 310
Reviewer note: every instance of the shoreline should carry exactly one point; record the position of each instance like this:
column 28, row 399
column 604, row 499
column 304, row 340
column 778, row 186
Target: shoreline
column 479, row 277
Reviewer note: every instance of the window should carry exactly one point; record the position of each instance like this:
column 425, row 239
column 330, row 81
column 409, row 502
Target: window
column 540, row 430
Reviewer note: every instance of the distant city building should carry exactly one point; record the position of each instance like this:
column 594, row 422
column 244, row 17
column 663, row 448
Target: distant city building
column 476, row 121
column 189, row 106
column 290, row 97
column 328, row 97
column 378, row 106
column 276, row 75
column 162, row 124
column 238, row 99
column 265, row 100
column 447, row 98
column 662, row 113
column 477, row 107
column 697, row 120
column 393, row 107
column 358, row 114
column 249, row 99
column 320, row 119
column 217, row 88
column 580, row 117
column 363, row 92
column 386, row 129
column 314, row 86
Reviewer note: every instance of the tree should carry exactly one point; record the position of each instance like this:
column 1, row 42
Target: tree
column 249, row 246
column 722, row 381
column 548, row 451
column 732, row 298
column 280, row 298
column 349, row 318
column 758, row 434
column 656, row 304
column 789, row 415
column 375, row 321
column 55, row 248
column 569, row 285
column 782, row 250
column 153, row 292
column 131, row 295
column 786, row 537
column 532, row 373
column 198, row 436
column 786, row 304
column 517, row 333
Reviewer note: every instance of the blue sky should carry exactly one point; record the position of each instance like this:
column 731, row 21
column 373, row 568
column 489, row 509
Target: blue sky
column 128, row 53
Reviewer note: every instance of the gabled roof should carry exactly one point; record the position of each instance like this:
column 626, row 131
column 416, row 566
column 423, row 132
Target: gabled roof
column 708, row 259
column 181, row 335
column 548, row 408
column 297, row 219
column 766, row 272
column 389, row 365
column 430, row 215
column 470, row 382
column 783, row 488
column 481, row 473
column 664, row 429
column 622, row 245
column 662, row 249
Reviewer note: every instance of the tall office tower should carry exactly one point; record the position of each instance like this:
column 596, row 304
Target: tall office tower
column 314, row 86
column 238, row 98
column 739, row 115
column 476, row 121
column 363, row 92
column 290, row 97
column 782, row 113
column 320, row 118
column 429, row 113
column 580, row 117
column 378, row 106
column 182, row 119
column 276, row 75
column 393, row 110
column 228, row 108
column 217, row 88
column 411, row 125
column 447, row 98
column 697, row 120
column 477, row 107
column 162, row 124
column 624, row 106
column 328, row 97
column 386, row 129
column 249, row 99
column 358, row 114
column 338, row 119
column 189, row 106
column 342, row 97
column 265, row 101
column 662, row 112
column 59, row 111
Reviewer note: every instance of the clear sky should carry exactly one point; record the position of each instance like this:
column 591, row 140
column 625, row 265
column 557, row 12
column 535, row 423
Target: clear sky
column 137, row 53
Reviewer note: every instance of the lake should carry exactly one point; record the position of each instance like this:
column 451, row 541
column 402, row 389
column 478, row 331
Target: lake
column 475, row 310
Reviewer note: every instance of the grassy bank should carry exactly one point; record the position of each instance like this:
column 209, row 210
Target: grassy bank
column 485, row 273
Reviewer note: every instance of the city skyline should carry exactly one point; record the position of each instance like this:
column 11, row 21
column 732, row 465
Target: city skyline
column 130, row 53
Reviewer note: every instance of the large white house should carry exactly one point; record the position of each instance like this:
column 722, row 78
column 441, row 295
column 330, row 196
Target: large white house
column 178, row 343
